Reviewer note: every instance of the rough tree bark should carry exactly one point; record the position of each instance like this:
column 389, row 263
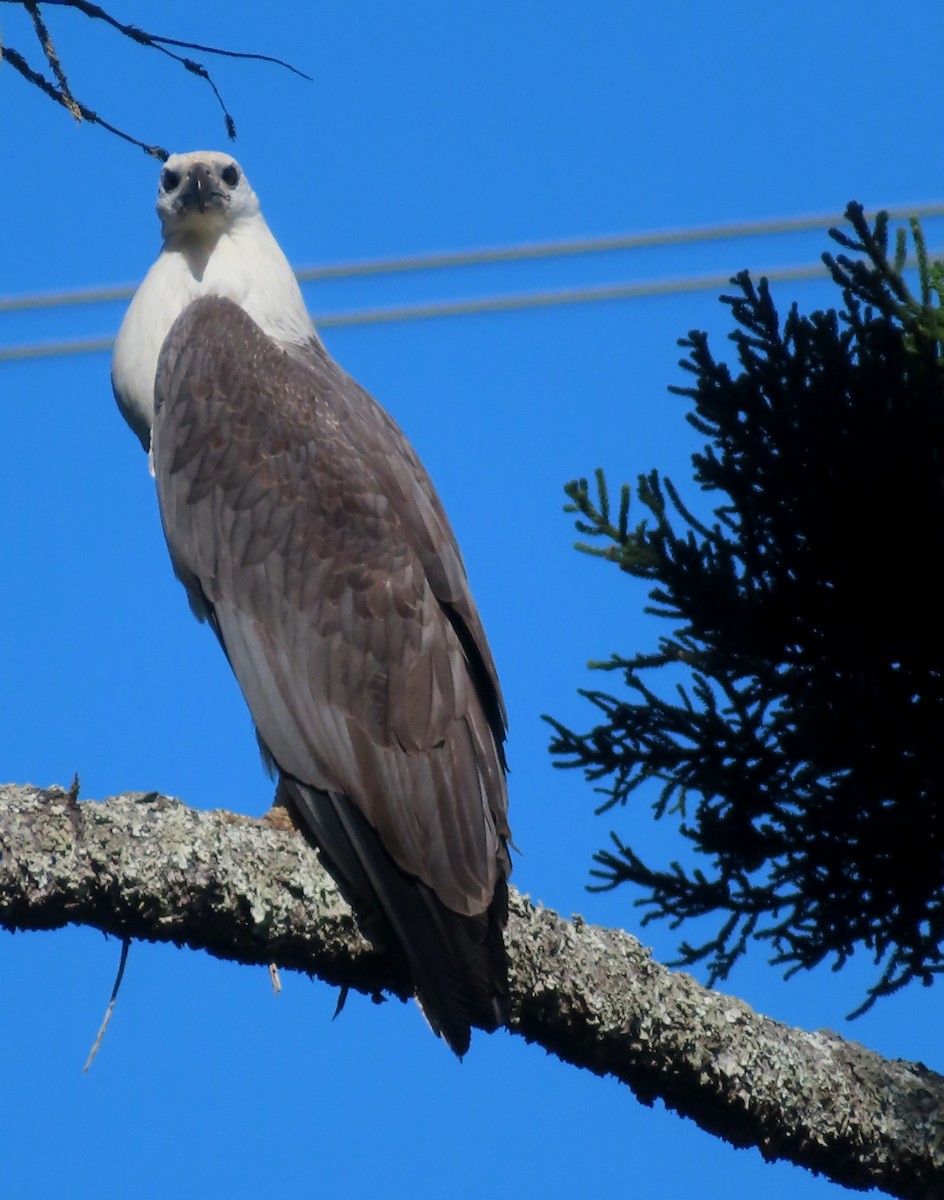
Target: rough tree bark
column 146, row 866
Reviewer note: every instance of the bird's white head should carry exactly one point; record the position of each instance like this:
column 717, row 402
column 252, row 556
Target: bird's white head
column 201, row 195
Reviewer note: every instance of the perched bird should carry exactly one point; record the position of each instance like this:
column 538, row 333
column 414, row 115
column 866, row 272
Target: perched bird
column 310, row 538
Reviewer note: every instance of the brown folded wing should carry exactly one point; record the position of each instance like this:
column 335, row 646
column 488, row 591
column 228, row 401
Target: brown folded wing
column 304, row 526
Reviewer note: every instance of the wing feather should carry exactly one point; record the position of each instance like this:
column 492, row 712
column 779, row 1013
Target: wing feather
column 300, row 519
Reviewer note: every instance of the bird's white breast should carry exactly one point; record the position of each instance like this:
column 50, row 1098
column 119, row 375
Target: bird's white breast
column 245, row 265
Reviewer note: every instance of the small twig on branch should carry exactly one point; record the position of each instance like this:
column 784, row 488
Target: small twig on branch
column 42, row 33
column 125, row 946
column 150, row 39
column 62, row 94
column 19, row 64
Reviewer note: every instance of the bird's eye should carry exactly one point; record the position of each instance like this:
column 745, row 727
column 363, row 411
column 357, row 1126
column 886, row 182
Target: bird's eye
column 169, row 180
column 230, row 175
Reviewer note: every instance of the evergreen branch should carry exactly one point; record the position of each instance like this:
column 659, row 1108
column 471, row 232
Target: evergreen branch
column 799, row 748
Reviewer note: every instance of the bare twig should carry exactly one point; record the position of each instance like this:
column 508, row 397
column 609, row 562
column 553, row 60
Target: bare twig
column 42, row 33
column 62, row 94
column 19, row 64
column 150, row 39
column 125, row 946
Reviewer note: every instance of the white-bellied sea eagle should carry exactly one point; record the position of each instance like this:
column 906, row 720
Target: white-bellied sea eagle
column 310, row 538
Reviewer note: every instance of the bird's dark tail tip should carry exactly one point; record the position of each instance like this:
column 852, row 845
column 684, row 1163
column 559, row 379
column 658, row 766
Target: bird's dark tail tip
column 458, row 962
column 462, row 976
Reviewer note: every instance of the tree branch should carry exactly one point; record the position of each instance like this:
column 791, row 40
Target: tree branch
column 61, row 93
column 146, row 866
column 19, row 64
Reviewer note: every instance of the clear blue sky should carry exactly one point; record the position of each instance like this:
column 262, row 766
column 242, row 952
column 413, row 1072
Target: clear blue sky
column 426, row 128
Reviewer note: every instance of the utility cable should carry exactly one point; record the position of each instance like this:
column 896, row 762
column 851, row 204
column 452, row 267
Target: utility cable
column 444, row 260
column 460, row 308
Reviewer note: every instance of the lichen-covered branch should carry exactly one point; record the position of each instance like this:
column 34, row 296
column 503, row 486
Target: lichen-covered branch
column 148, row 867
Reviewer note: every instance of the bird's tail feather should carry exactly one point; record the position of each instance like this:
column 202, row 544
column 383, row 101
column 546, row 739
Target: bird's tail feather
column 458, row 962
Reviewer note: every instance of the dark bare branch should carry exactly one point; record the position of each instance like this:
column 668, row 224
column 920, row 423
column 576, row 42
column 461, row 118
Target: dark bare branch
column 19, row 64
column 42, row 34
column 146, row 866
column 61, row 93
column 146, row 39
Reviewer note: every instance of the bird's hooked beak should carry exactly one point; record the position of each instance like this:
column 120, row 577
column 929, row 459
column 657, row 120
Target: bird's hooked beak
column 199, row 188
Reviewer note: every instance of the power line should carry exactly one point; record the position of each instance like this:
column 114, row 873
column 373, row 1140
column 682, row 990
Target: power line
column 79, row 296
column 489, row 255
column 602, row 245
column 457, row 308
